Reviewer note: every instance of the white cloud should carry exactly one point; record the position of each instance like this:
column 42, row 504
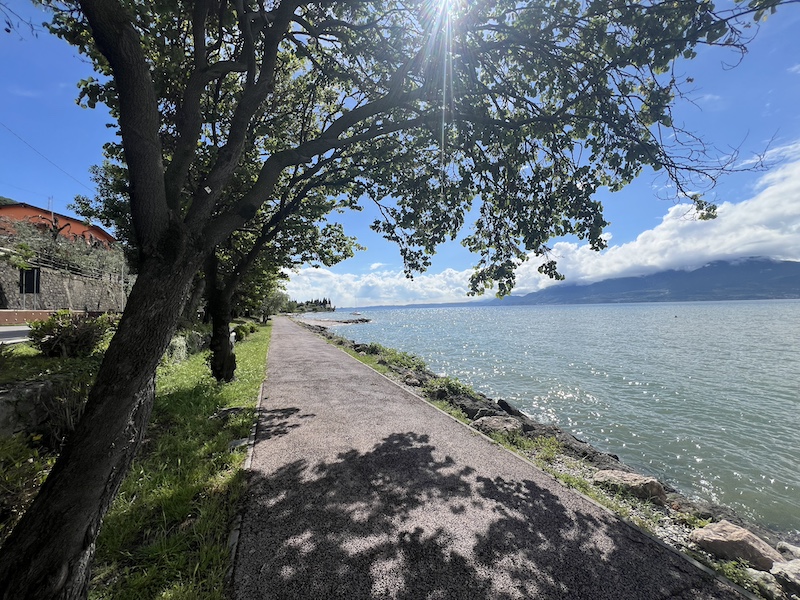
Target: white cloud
column 385, row 287
column 376, row 266
column 24, row 92
column 774, row 156
column 768, row 224
column 711, row 98
column 795, row 69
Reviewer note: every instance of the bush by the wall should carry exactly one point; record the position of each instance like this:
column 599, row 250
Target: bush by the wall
column 69, row 335
column 241, row 332
column 197, row 341
column 186, row 343
column 177, row 351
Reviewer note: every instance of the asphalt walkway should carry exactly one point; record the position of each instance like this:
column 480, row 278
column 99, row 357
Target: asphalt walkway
column 359, row 489
column 13, row 334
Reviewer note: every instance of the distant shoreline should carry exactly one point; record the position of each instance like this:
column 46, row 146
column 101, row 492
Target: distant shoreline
column 329, row 322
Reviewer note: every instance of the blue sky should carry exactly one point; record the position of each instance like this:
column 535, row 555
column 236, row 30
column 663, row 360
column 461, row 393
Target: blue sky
column 48, row 143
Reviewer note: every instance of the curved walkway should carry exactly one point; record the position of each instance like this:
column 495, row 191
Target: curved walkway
column 359, row 489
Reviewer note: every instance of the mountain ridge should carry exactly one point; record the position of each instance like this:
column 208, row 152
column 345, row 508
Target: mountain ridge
column 745, row 279
column 753, row 278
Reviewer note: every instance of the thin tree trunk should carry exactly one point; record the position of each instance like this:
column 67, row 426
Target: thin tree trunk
column 189, row 315
column 49, row 553
column 223, row 358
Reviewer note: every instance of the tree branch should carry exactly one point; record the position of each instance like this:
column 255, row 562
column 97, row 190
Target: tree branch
column 139, row 120
column 253, row 97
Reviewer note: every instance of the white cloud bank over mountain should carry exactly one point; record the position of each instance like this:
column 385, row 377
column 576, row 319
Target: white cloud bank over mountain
column 768, row 224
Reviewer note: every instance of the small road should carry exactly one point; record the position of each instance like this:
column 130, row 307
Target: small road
column 12, row 334
column 359, row 489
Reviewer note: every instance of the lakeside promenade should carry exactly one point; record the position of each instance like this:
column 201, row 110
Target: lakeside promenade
column 359, row 489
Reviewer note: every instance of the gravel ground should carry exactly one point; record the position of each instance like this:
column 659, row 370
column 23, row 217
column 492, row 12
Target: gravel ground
column 359, row 489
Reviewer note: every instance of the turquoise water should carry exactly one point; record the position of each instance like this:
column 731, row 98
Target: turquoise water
column 703, row 395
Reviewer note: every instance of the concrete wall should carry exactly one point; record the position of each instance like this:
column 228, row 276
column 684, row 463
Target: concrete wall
column 59, row 289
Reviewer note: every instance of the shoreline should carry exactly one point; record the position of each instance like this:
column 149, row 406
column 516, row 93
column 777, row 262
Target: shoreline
column 583, row 449
column 676, row 519
column 325, row 323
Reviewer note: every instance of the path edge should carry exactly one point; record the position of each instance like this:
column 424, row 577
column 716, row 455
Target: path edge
column 236, row 525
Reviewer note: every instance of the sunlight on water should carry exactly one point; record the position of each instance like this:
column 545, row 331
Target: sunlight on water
column 705, row 396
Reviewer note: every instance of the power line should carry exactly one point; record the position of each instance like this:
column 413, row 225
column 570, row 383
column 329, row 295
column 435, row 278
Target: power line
column 16, row 135
column 16, row 187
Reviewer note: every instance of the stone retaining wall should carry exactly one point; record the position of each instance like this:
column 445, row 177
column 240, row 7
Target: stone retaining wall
column 59, row 289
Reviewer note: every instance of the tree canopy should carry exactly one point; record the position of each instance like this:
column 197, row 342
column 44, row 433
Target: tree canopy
column 520, row 111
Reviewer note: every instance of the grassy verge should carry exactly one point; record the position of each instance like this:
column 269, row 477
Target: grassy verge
column 166, row 533
column 22, row 362
column 26, row 459
column 24, row 466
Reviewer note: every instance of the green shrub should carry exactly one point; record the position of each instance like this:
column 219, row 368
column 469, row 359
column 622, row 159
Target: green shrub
column 442, row 388
column 253, row 327
column 241, row 332
column 197, row 338
column 404, row 360
column 393, row 357
column 547, row 448
column 451, row 410
column 197, row 341
column 69, row 335
column 514, row 441
column 736, row 571
column 186, row 343
column 177, row 351
column 373, row 348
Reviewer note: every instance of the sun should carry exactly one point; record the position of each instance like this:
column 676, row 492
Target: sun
column 440, row 20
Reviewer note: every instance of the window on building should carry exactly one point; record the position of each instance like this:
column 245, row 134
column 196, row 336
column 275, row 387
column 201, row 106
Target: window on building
column 29, row 280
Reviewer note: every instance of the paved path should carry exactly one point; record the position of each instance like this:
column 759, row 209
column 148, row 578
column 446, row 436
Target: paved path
column 13, row 334
column 359, row 490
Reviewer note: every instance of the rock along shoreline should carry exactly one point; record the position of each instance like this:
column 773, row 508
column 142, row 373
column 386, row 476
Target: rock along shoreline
column 727, row 537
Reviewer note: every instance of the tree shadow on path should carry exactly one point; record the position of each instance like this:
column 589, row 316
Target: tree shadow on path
column 279, row 421
column 404, row 521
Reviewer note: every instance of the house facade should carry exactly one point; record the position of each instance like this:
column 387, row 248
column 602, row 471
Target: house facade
column 48, row 281
column 68, row 227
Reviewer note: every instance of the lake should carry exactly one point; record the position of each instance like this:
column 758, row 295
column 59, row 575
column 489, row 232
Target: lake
column 702, row 395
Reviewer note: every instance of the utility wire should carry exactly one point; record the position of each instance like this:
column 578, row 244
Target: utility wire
column 16, row 135
column 16, row 187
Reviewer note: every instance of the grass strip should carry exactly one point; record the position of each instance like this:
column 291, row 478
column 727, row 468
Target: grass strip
column 166, row 535
column 21, row 363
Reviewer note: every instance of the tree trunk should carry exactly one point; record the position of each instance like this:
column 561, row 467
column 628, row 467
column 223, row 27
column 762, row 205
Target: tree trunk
column 49, row 553
column 223, row 358
column 190, row 311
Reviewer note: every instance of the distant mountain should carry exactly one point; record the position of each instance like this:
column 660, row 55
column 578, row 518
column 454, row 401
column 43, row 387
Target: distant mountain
column 748, row 279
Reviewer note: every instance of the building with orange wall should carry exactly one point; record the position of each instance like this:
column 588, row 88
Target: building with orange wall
column 44, row 285
column 68, row 227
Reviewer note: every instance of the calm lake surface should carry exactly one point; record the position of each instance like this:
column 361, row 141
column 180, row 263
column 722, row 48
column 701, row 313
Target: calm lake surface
column 703, row 395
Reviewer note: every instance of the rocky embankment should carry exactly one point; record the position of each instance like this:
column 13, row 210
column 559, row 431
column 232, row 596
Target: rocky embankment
column 714, row 534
